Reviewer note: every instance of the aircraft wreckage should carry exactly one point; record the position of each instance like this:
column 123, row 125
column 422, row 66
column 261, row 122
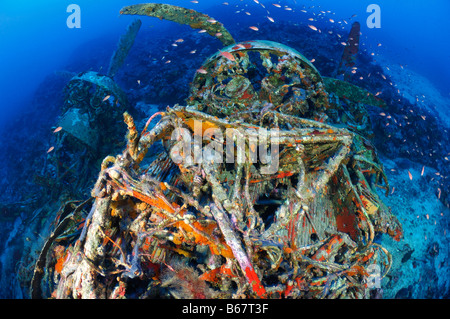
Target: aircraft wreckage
column 211, row 215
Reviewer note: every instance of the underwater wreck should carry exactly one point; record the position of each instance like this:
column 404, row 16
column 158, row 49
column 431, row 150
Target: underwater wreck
column 178, row 223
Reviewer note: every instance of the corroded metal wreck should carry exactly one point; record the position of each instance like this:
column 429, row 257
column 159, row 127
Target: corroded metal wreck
column 165, row 225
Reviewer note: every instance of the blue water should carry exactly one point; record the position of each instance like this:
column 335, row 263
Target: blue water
column 35, row 42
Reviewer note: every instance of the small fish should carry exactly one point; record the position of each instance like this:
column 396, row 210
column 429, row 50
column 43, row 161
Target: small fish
column 312, row 27
column 179, row 40
column 202, row 31
column 106, row 98
column 59, row 128
column 174, row 44
column 276, row 5
column 423, row 169
column 248, row 13
column 288, row 9
column 202, row 71
column 410, row 175
column 227, row 55
column 254, row 28
column 225, row 3
column 383, row 114
column 212, row 21
column 194, row 1
column 218, row 35
column 379, row 44
column 139, row 82
column 270, row 19
column 313, row 60
column 50, row 149
column 193, row 52
column 344, row 43
column 331, row 20
column 168, row 61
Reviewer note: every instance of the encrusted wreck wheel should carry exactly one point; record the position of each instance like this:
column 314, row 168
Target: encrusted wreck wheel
column 254, row 75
